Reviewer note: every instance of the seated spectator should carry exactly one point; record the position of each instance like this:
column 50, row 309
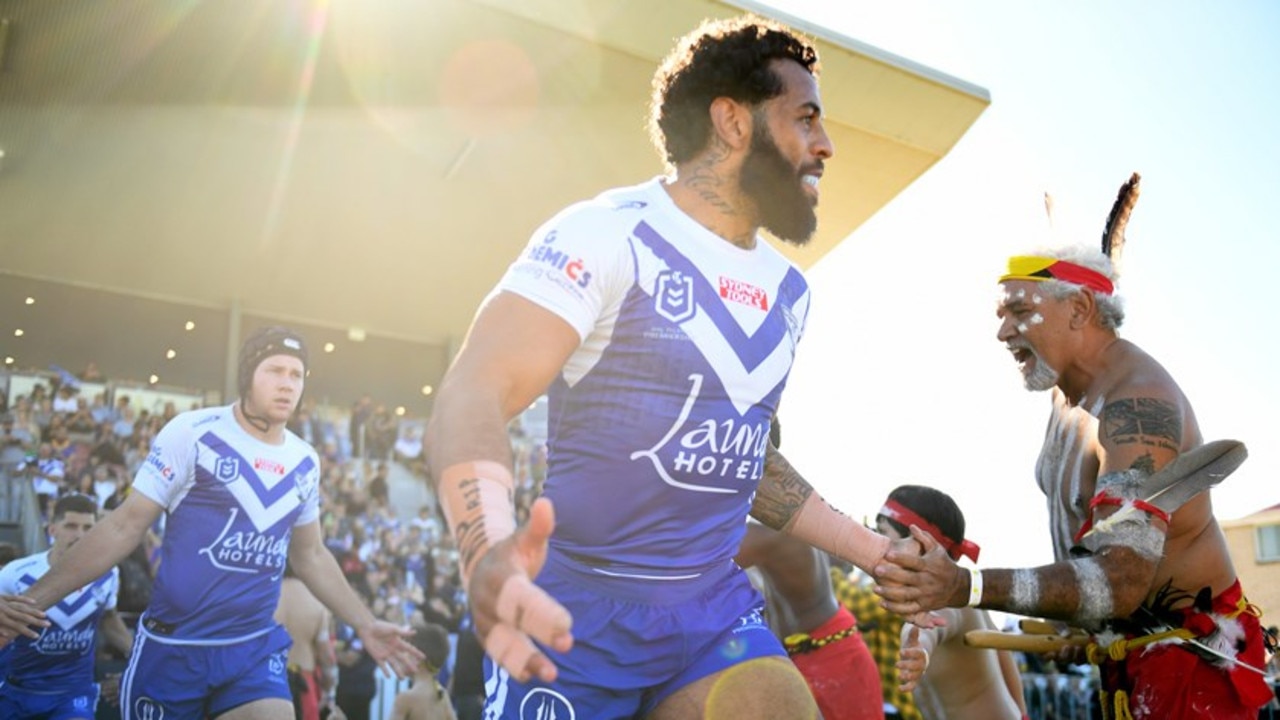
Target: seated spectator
column 15, row 442
column 64, row 401
column 91, row 373
column 81, row 424
column 47, row 472
column 101, row 410
column 123, row 427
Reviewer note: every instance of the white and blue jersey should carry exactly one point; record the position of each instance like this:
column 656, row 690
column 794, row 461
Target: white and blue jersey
column 61, row 659
column 232, row 502
column 659, row 421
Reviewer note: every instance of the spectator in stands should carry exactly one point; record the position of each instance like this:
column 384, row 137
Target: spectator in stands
column 81, row 424
column 90, row 373
column 360, row 413
column 305, row 425
column 64, row 401
column 46, row 471
column 106, row 448
column 15, row 442
column 381, row 433
column 101, row 410
column 41, row 409
column 59, row 439
column 123, row 426
column 24, row 419
column 377, row 487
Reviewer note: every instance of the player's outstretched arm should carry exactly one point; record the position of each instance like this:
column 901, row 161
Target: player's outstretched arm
column 105, row 545
column 1110, row 583
column 388, row 644
column 513, row 351
column 786, row 501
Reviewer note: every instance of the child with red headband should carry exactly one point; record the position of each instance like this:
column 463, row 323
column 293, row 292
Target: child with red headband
column 962, row 682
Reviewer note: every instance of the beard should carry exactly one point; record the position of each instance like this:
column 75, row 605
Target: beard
column 1042, row 377
column 774, row 185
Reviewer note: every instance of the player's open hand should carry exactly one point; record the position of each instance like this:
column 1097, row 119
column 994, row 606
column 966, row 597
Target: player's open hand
column 511, row 613
column 910, row 583
column 19, row 616
column 388, row 644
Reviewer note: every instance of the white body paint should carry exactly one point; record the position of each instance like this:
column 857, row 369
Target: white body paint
column 1067, row 469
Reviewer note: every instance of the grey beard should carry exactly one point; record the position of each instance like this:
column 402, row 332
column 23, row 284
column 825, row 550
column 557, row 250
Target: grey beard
column 1042, row 378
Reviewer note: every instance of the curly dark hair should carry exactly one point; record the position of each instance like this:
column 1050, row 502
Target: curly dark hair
column 721, row 58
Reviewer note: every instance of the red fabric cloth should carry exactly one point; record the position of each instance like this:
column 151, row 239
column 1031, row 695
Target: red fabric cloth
column 1169, row 682
column 306, row 704
column 842, row 674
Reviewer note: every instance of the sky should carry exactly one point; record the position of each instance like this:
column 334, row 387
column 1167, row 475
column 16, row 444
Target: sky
column 899, row 378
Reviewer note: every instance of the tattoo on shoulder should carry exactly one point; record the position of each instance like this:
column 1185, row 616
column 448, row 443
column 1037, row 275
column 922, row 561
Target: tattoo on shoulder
column 1157, row 423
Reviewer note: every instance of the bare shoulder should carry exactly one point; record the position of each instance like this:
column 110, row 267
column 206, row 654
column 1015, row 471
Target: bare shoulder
column 1144, row 405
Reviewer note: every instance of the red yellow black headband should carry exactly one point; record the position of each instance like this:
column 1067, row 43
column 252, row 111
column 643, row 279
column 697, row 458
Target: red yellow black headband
column 896, row 511
column 1030, row 267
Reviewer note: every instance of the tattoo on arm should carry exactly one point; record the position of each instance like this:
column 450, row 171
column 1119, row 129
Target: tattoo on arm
column 471, row 534
column 781, row 493
column 1148, row 421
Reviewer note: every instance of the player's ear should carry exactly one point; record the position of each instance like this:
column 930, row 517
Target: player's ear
column 731, row 122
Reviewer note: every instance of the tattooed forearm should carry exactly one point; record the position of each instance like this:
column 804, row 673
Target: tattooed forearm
column 1157, row 423
column 781, row 493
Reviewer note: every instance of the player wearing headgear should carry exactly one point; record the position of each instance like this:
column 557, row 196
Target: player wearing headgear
column 241, row 495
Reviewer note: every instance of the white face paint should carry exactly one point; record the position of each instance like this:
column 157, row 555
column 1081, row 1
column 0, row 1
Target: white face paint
column 1037, row 375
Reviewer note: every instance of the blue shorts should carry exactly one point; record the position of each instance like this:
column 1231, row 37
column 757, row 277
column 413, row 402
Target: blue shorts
column 78, row 704
column 636, row 642
column 167, row 680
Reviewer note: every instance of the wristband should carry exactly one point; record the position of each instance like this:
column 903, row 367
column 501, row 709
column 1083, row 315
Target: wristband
column 975, row 587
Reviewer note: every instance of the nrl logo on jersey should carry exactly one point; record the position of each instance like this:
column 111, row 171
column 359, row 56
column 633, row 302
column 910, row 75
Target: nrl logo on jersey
column 227, row 469
column 673, row 298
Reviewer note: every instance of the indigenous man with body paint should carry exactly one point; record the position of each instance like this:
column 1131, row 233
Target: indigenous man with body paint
column 962, row 682
column 662, row 326
column 1174, row 634
column 241, row 496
